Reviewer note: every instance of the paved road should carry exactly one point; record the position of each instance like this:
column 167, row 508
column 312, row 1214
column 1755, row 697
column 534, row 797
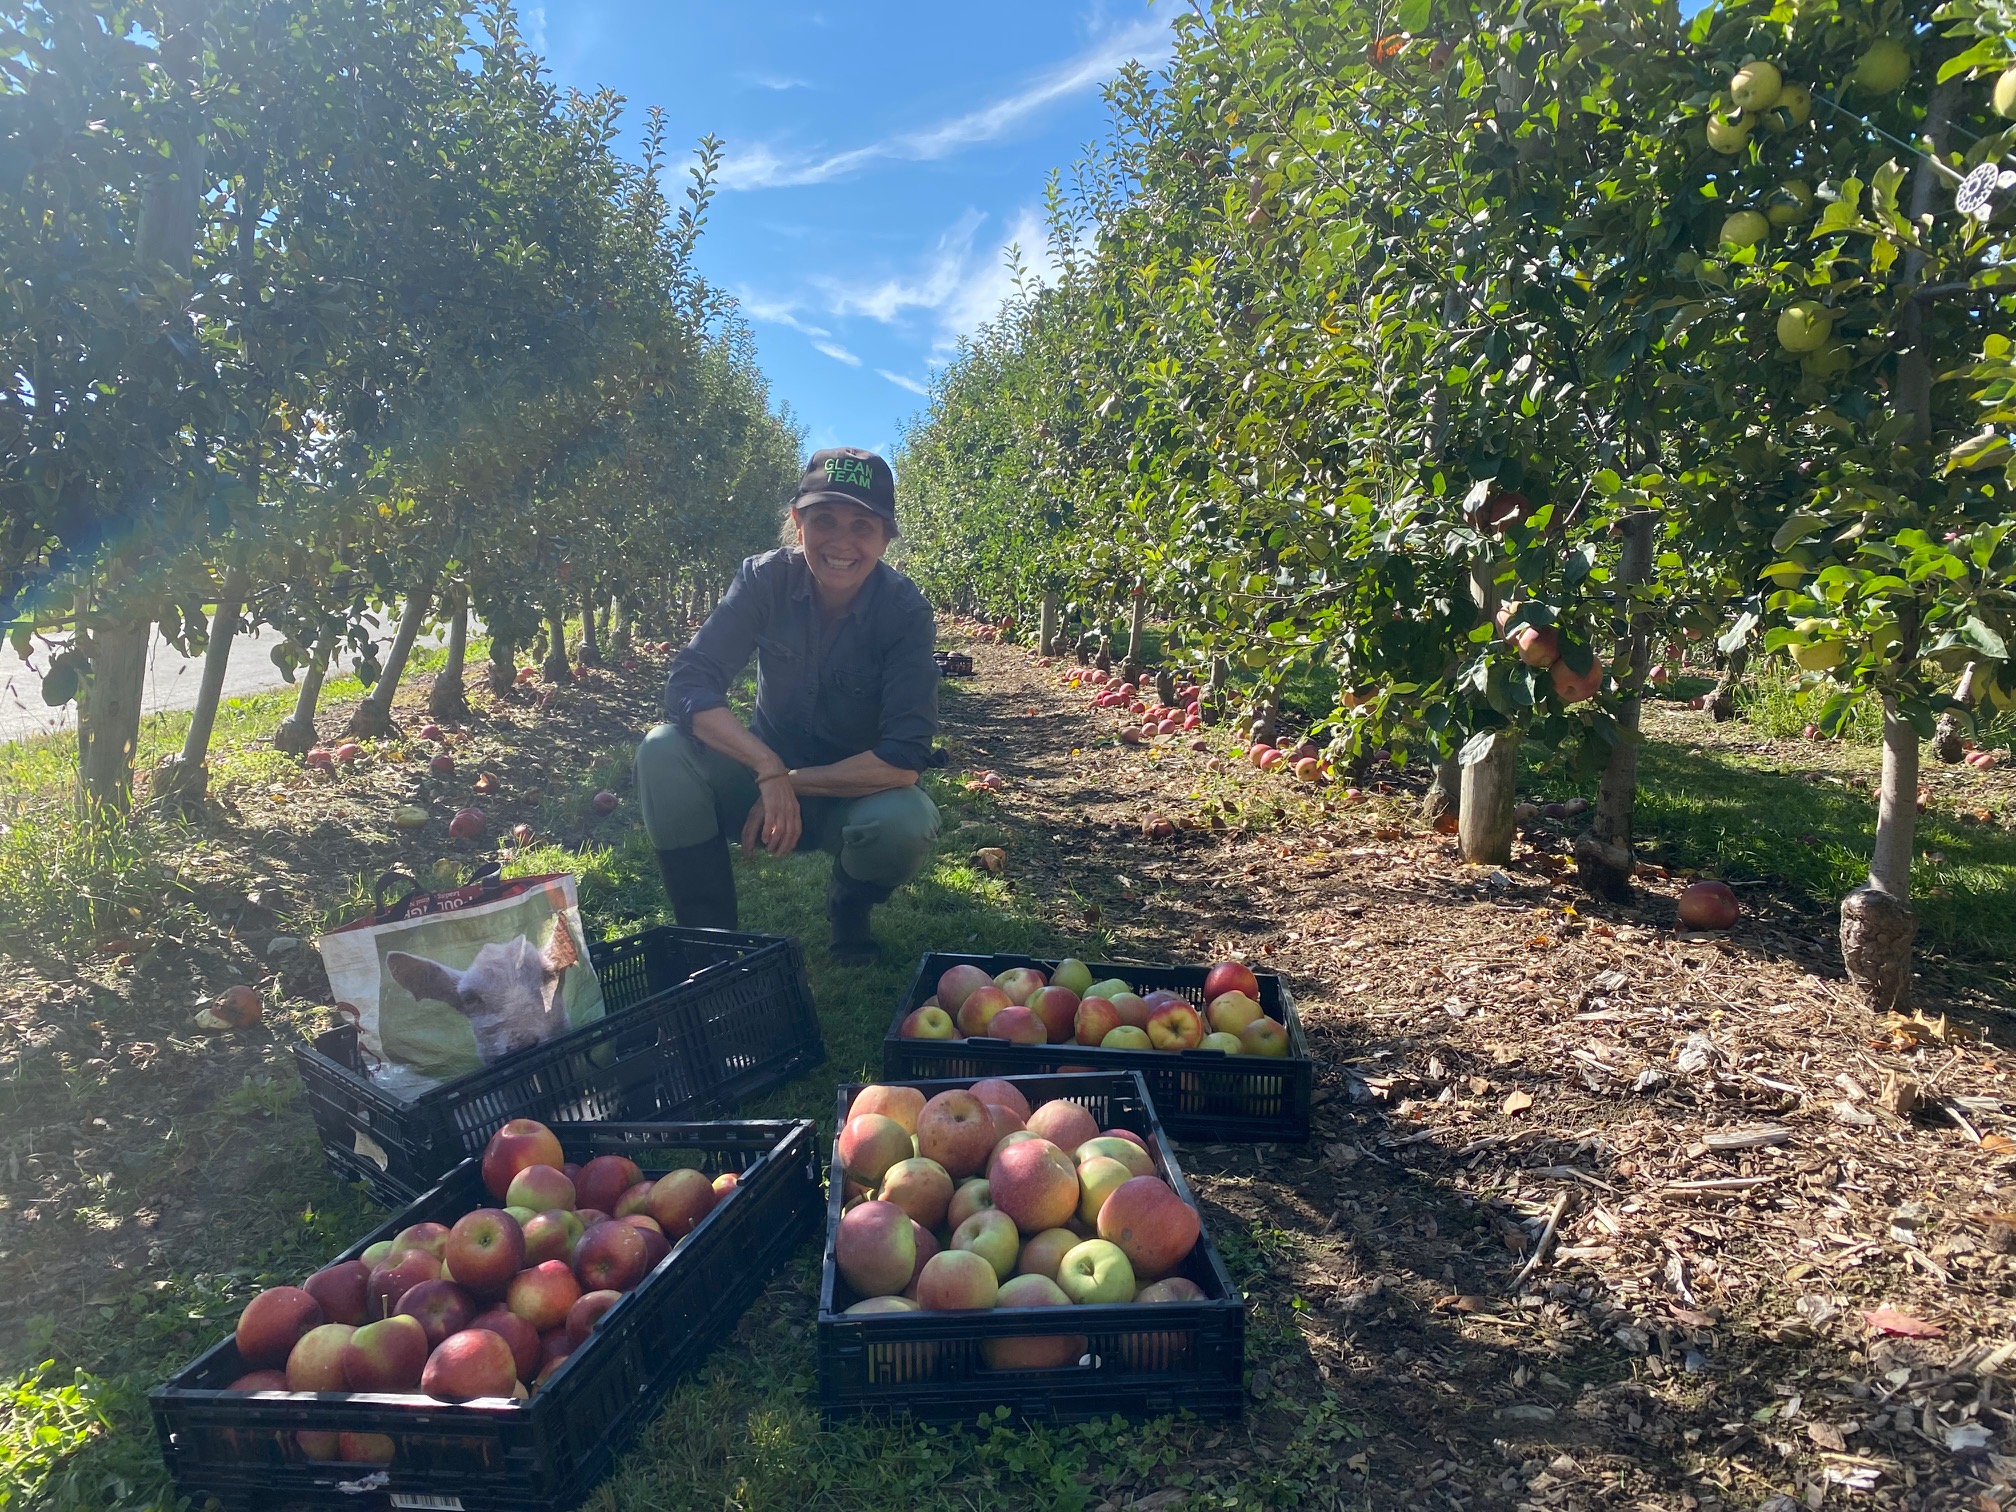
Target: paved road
column 172, row 680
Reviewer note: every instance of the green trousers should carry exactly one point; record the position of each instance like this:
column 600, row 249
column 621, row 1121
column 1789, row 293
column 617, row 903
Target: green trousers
column 690, row 793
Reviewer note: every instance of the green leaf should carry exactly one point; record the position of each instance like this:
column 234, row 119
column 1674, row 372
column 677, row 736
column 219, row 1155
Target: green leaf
column 1412, row 15
column 1795, row 529
column 1477, row 747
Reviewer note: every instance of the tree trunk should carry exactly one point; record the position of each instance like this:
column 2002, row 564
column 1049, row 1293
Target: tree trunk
column 1484, row 825
column 502, row 673
column 374, row 714
column 185, row 779
column 296, row 734
column 556, row 668
column 1444, row 799
column 1877, row 920
column 1604, row 859
column 1046, row 626
column 619, row 624
column 591, row 642
column 1722, row 702
column 449, row 697
column 1949, row 744
column 108, row 714
column 1130, row 669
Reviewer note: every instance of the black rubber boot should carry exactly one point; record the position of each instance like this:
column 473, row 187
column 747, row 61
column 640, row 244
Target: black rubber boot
column 847, row 904
column 700, row 881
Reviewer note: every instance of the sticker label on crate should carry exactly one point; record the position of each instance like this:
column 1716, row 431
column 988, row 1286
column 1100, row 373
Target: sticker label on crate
column 373, row 1151
column 427, row 1503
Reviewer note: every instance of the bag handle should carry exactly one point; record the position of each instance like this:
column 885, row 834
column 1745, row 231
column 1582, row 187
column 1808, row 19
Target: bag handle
column 383, row 911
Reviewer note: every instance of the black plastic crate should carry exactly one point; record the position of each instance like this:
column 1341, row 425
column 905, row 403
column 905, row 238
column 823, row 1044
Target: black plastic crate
column 1141, row 1359
column 1199, row 1094
column 545, row 1454
column 696, row 1021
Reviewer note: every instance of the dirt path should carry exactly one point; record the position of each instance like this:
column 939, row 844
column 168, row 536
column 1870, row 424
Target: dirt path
column 1707, row 1113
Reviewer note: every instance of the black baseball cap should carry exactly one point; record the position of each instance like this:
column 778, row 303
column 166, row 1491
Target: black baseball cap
column 848, row 475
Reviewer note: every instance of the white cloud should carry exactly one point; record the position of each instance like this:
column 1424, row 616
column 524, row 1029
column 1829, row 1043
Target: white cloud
column 837, row 352
column 764, row 167
column 776, row 312
column 777, row 82
column 959, row 285
column 922, row 390
column 534, row 18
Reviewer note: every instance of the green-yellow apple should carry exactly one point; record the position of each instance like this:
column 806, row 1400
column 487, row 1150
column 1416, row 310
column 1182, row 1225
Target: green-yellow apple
column 956, row 1279
column 1790, row 202
column 1098, row 1179
column 1095, row 1019
column 870, row 1144
column 1830, row 361
column 1018, row 1026
column 1002, row 1092
column 1219, row 1040
column 1793, row 108
column 1175, row 1026
column 1884, row 67
column 473, row 1363
column 1127, row 1037
column 1230, row 976
column 869, row 1307
column 1065, row 1124
column 315, row 1363
column 1058, row 1008
column 1154, row 1227
column 1021, row 983
column 958, row 984
column 1097, row 1271
column 921, row 1187
column 992, row 1235
column 1728, row 134
column 1804, row 326
column 374, row 1254
column 1072, row 973
column 900, row 1103
column 273, row 1323
column 875, row 1249
column 1232, row 1011
column 1745, row 228
column 1041, row 1252
column 387, row 1355
column 978, row 1011
column 968, row 1198
column 540, row 1187
column 1128, row 1152
column 1042, row 1351
column 1034, row 1183
column 680, row 1199
column 955, row 1129
column 520, row 1143
column 1127, row 1134
column 1755, row 86
column 1264, row 1036
column 1107, row 988
column 2005, row 93
column 932, row 1023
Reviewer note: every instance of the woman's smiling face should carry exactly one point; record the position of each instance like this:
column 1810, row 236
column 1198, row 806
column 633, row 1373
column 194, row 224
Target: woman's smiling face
column 842, row 543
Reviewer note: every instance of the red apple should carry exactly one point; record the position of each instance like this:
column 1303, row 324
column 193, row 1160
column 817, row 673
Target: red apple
column 1043, row 1351
column 273, row 1323
column 340, row 1288
column 467, row 824
column 1034, row 1183
column 485, row 1249
column 875, row 1249
column 957, row 1279
column 515, row 1331
column 1064, row 1124
column 550, row 1235
column 542, row 1294
column 605, row 803
column 635, row 1199
column 959, row 983
column 922, row 1188
column 540, row 1188
column 1126, row 1134
column 397, row 1276
column 520, row 1143
column 430, row 732
column 318, row 760
column 604, row 1180
column 315, row 1363
column 554, row 1347
column 727, row 1181
column 1231, row 976
column 1002, row 1093
column 431, row 1237
column 442, row 1307
column 1175, row 1026
column 365, row 1448
column 1708, row 905
column 869, row 1145
column 442, row 765
column 260, row 1380
column 1058, row 1008
column 1021, row 983
column 347, row 752
column 611, row 1256
column 585, row 1314
column 956, row 1130
column 1153, row 1227
column 1005, row 1122
column 656, row 1245
column 1572, row 686
column 1096, row 1018
column 682, row 1198
column 522, row 833
column 1134, row 1011
column 387, row 1355
column 900, row 1103
column 978, row 1011
column 473, row 1363
column 1264, row 1036
column 1018, row 1026
column 1539, row 645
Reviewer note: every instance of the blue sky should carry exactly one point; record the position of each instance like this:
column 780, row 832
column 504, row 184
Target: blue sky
column 880, row 158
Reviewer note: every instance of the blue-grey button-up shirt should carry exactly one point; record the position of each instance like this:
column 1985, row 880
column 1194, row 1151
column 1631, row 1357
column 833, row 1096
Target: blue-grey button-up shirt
column 824, row 690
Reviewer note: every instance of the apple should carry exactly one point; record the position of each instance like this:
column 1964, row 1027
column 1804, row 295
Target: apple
column 586, row 1313
column 1034, row 1183
column 968, row 1198
column 1127, row 1134
column 318, row 760
column 396, row 1277
column 1041, row 1352
column 1232, row 1011
column 869, row 1307
column 520, row 1143
column 442, row 1307
column 1072, row 973
column 1727, row 134
column 485, row 1249
column 365, row 1448
column 1154, row 1227
column 656, row 1245
column 605, row 1179
column 635, row 1199
column 1539, row 645
column 442, row 765
column 978, row 1011
column 1171, row 1289
column 682, row 1198
column 1264, row 1036
column 1000, row 1092
column 955, row 1129
column 932, row 1023
column 319, row 1446
column 1057, row 1007
column 869, row 1145
column 1130, row 1153
column 900, row 1103
column 1096, row 1018
column 1223, row 1043
column 340, row 1289
column 1107, row 988
column 1006, row 1124
column 927, row 1246
column 1041, row 1252
column 991, row 1234
column 1755, row 86
column 1098, row 1179
column 375, row 1253
column 1134, row 1011
column 473, row 1363
column 727, row 1181
column 542, row 1293
column 1096, row 1271
column 467, row 824
column 1571, row 686
column 606, row 802
column 315, row 1363
column 347, row 752
column 260, row 1380
column 1175, row 1026
column 1708, row 905
column 540, row 1187
column 1018, row 1026
column 921, row 1187
column 612, row 1256
column 550, row 1235
column 431, row 1237
column 1884, row 67
column 387, row 1355
column 1804, row 326
column 1021, row 983
column 875, row 1249
column 1230, row 976
column 1127, row 1037
column 960, row 983
column 515, row 1331
column 1064, row 1124
column 957, row 1279
column 522, row 833
column 1746, row 228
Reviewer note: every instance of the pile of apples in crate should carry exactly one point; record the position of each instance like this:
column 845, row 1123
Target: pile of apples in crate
column 973, row 1199
column 486, row 1306
column 1024, row 1007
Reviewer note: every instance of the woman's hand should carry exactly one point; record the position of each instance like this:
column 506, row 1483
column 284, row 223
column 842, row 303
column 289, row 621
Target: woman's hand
column 774, row 822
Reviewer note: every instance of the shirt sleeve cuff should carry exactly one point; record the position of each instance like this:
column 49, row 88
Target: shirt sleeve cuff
column 907, row 754
column 688, row 702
